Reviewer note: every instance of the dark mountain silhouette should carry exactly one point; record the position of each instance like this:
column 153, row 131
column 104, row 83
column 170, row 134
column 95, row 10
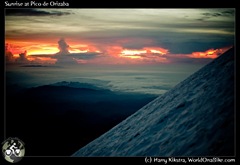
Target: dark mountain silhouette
column 57, row 119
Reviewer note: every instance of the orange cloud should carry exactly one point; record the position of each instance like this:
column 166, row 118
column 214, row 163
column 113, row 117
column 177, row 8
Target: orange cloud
column 113, row 53
column 83, row 49
column 211, row 53
column 32, row 47
column 145, row 52
column 147, row 55
column 157, row 50
column 42, row 50
column 114, row 50
column 133, row 52
column 49, row 47
column 15, row 49
column 42, row 60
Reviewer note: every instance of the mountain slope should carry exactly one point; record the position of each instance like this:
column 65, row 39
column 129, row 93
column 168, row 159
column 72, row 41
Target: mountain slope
column 195, row 118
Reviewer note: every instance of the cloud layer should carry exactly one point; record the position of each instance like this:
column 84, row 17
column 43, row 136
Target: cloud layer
column 33, row 12
column 119, row 35
column 112, row 55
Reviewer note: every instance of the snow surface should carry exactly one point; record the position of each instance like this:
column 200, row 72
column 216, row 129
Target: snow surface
column 195, row 118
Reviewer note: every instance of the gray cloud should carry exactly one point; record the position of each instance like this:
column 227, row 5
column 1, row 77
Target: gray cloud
column 22, row 58
column 33, row 12
column 225, row 13
column 85, row 56
column 72, row 58
column 212, row 14
column 63, row 47
column 194, row 45
column 228, row 13
column 65, row 57
column 190, row 60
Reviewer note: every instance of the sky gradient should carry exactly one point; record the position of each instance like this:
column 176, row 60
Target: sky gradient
column 117, row 36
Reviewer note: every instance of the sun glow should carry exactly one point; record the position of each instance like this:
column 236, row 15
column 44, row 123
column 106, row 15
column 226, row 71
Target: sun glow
column 211, row 53
column 157, row 50
column 133, row 52
column 49, row 51
column 140, row 53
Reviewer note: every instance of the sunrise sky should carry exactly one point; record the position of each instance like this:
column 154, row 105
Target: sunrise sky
column 117, row 36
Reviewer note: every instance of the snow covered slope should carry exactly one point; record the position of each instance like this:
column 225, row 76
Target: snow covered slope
column 195, row 118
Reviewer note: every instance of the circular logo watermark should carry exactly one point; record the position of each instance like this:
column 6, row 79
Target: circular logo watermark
column 13, row 150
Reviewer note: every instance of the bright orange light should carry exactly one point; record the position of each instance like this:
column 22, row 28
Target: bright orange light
column 47, row 51
column 15, row 55
column 78, row 51
column 133, row 56
column 147, row 51
column 157, row 50
column 32, row 47
column 211, row 53
column 133, row 52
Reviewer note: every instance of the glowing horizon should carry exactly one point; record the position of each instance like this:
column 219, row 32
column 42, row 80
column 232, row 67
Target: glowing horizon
column 132, row 54
column 102, row 36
